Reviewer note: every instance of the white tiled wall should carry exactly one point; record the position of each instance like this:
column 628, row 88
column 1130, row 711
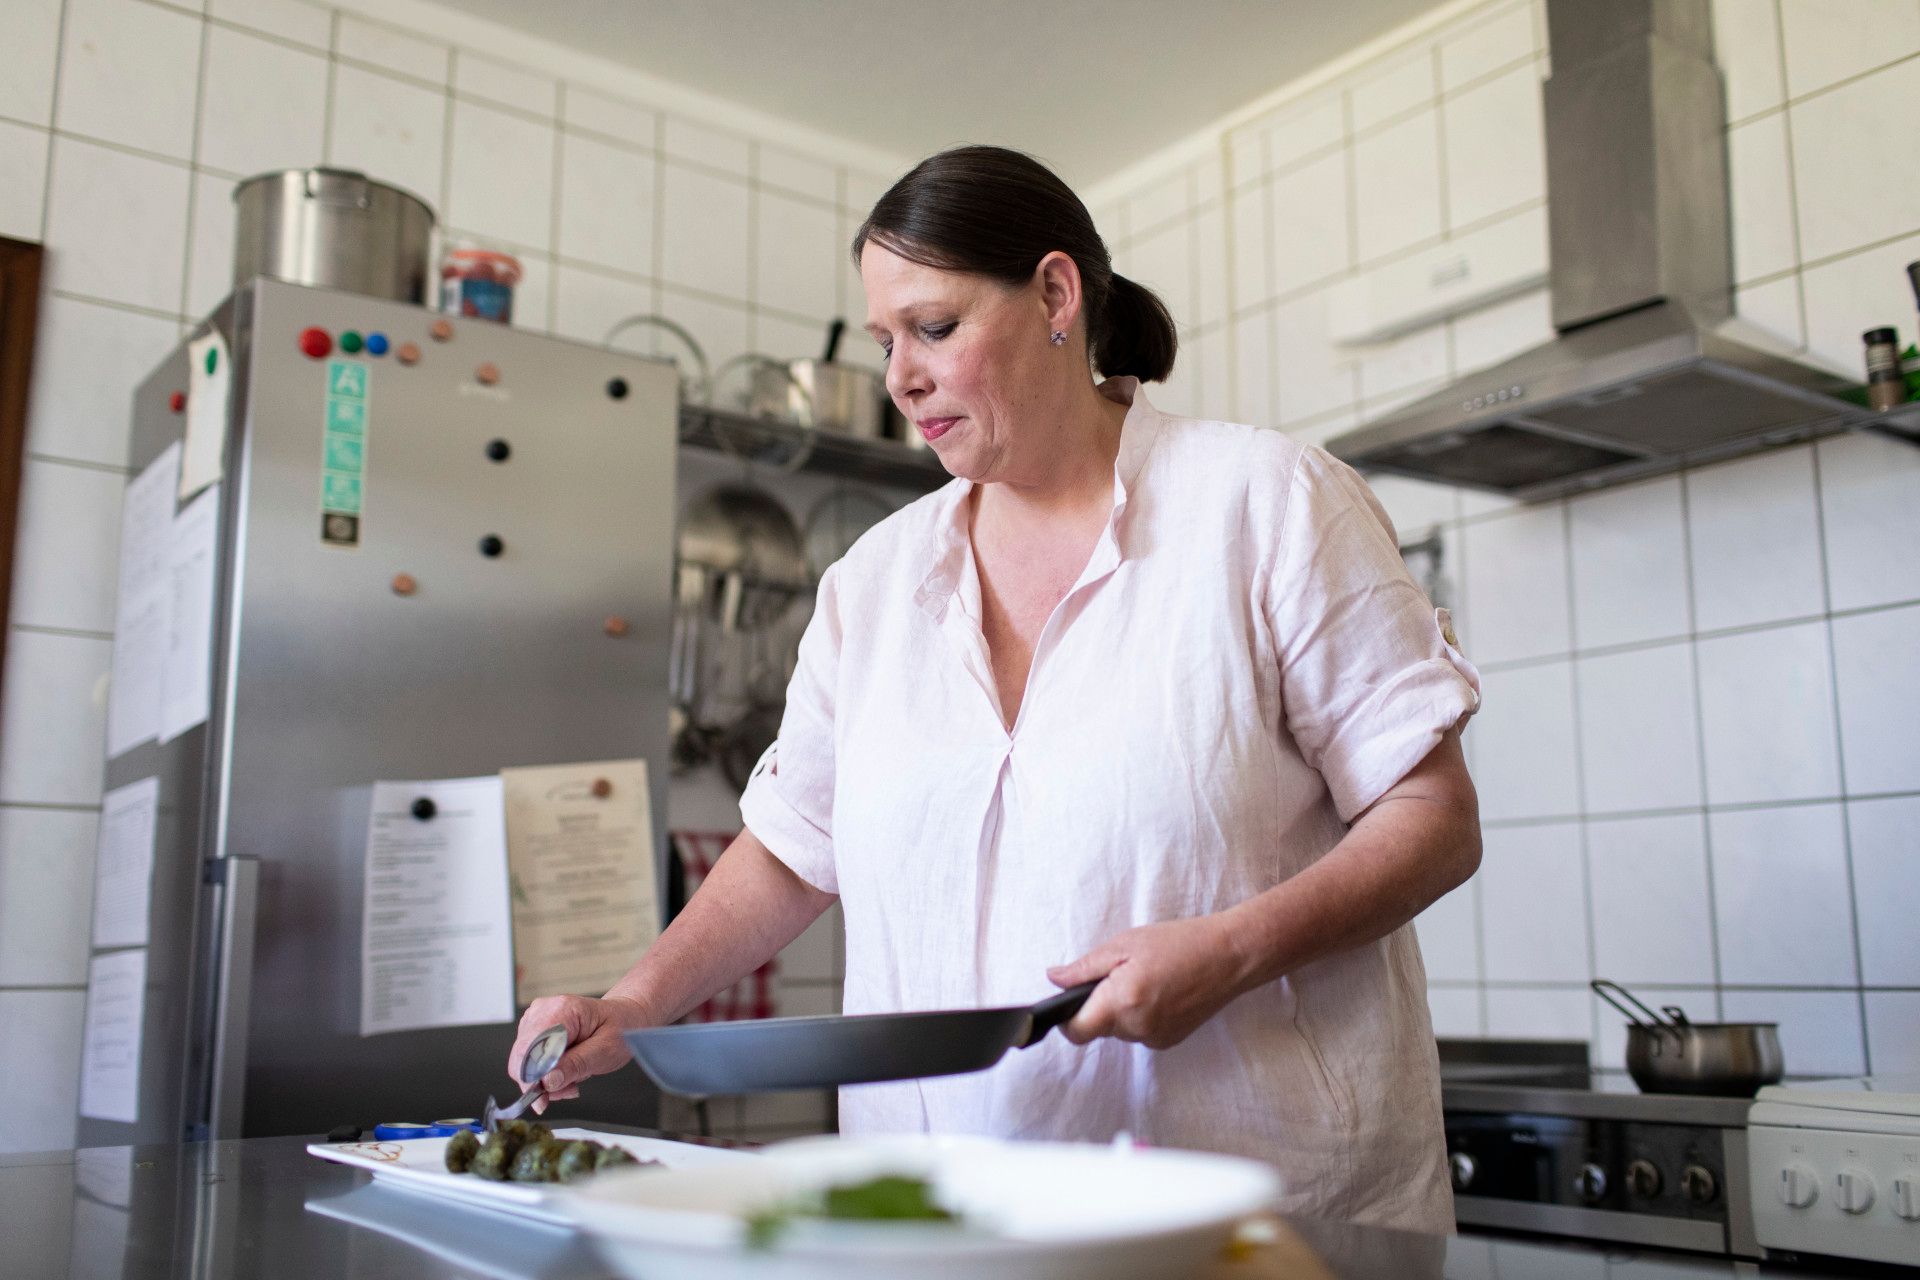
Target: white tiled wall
column 1699, row 760
column 124, row 126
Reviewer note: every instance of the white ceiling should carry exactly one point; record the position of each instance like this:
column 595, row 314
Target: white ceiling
column 1090, row 86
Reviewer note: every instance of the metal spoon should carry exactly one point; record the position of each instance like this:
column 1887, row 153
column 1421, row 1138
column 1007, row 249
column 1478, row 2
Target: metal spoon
column 542, row 1056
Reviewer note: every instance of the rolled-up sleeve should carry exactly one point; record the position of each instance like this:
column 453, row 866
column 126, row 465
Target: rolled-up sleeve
column 1371, row 676
column 788, row 803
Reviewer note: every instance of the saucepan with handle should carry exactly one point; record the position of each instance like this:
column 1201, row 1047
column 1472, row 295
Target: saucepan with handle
column 1670, row 1053
column 769, row 1054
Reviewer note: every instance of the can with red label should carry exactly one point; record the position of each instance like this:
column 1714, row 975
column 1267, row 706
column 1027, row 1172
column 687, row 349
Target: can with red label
column 478, row 283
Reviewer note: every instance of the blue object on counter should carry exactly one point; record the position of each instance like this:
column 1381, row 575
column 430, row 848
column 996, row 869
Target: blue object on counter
column 401, row 1130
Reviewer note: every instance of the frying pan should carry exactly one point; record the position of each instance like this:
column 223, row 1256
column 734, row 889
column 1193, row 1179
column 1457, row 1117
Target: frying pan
column 769, row 1054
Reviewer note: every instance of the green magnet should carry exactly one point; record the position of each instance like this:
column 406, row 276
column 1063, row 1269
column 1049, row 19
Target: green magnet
column 350, row 342
column 213, row 360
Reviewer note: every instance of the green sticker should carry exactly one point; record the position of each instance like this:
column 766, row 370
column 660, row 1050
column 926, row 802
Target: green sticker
column 345, row 453
column 213, row 360
column 341, row 492
column 345, row 379
column 346, row 417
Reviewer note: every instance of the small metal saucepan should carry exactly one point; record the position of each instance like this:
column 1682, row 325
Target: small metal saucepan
column 1672, row 1054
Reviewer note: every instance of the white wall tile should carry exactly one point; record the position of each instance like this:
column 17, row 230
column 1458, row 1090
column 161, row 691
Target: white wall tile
column 1754, row 528
column 1397, row 185
column 1780, row 895
column 1522, row 743
column 33, row 35
column 705, row 232
column 1390, row 87
column 789, row 339
column 588, row 303
column 210, row 250
column 66, row 560
column 533, row 295
column 1208, row 358
column 46, row 895
column 1209, row 178
column 1449, row 932
column 1766, row 704
column 1885, row 838
column 1610, row 1051
column 1310, row 376
column 1628, row 585
column 308, row 24
column 802, row 175
column 720, row 328
column 117, row 225
column 393, row 49
column 53, row 737
column 1310, row 222
column 1761, row 196
column 390, row 130
column 797, row 262
column 1491, row 334
column 714, row 148
column 1819, row 1030
column 87, row 360
column 1301, row 129
column 606, row 204
column 630, row 122
column 1517, row 585
column 1746, row 44
column 1162, row 260
column 1845, row 199
column 1539, row 1013
column 127, row 75
column 265, row 105
column 1651, row 906
column 1159, row 202
column 1775, row 308
column 1639, row 740
column 1853, row 294
column 1502, row 38
column 1876, row 658
column 1533, row 910
column 1496, row 156
column 1455, row 1013
column 477, row 76
column 1823, row 47
column 1253, row 369
column 1870, row 503
column 1893, row 1031
column 1211, row 298
column 50, row 1021
column 863, row 190
column 1246, row 155
column 502, row 182
column 1252, row 255
column 23, row 158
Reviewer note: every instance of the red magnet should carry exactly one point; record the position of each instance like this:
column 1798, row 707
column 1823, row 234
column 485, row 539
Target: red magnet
column 316, row 343
column 177, row 401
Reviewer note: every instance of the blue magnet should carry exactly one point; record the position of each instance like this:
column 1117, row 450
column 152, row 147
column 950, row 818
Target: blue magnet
column 376, row 344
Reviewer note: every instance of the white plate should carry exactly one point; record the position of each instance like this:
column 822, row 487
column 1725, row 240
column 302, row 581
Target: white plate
column 1030, row 1211
column 420, row 1164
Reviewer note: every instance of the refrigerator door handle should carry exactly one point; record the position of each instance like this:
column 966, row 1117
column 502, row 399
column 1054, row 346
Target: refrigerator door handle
column 239, row 903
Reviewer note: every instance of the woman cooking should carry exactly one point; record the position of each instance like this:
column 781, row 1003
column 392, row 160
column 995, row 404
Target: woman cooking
column 1134, row 698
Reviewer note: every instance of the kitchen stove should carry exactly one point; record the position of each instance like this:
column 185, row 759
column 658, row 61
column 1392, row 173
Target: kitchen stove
column 1559, row 1149
column 1835, row 1166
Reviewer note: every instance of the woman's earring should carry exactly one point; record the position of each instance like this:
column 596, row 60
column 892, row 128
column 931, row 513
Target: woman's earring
column 1059, row 337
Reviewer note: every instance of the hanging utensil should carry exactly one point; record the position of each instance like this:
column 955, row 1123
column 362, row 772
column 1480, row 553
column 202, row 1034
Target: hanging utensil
column 1669, row 1053
column 695, row 382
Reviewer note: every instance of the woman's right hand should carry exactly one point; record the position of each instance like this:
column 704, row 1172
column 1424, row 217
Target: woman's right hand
column 594, row 1046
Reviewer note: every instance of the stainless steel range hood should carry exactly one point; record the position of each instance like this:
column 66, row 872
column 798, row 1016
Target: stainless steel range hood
column 1649, row 371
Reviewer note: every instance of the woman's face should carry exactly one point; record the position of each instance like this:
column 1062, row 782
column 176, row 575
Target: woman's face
column 967, row 360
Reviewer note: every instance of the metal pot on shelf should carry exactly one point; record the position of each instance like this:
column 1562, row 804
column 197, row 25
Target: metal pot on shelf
column 335, row 228
column 842, row 398
column 1670, row 1053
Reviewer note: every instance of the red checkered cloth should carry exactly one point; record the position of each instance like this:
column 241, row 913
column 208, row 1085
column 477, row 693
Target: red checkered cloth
column 753, row 995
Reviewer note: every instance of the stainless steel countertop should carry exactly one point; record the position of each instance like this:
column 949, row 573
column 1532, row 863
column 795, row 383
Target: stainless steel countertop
column 263, row 1207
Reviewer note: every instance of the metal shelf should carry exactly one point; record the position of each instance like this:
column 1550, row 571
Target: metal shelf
column 1902, row 422
column 783, row 446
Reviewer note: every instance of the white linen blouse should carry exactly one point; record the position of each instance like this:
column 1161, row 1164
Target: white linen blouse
column 1243, row 667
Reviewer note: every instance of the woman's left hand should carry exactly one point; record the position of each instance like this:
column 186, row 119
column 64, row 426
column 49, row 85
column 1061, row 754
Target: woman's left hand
column 1159, row 982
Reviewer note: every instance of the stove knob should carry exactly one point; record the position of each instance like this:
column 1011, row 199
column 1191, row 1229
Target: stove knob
column 1699, row 1184
column 1799, row 1186
column 1905, row 1194
column 1464, row 1167
column 1591, row 1183
column 1856, row 1189
column 1643, row 1179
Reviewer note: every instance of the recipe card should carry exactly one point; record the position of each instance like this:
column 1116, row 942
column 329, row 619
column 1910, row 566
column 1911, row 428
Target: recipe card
column 436, row 944
column 581, row 870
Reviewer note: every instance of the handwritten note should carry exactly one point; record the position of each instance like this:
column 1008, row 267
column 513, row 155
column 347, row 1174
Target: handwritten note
column 123, row 868
column 436, row 940
column 110, row 1049
column 140, row 610
column 581, row 864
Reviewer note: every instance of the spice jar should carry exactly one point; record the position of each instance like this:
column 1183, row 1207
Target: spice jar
column 478, row 282
column 1886, row 385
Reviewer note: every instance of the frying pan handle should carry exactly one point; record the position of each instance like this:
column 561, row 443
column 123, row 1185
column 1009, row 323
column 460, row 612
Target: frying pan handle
column 1056, row 1009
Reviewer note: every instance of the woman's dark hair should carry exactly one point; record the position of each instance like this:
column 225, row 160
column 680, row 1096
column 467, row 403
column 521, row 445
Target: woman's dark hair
column 996, row 213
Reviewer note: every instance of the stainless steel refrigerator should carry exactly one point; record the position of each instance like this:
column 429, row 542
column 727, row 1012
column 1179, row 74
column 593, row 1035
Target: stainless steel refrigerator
column 499, row 597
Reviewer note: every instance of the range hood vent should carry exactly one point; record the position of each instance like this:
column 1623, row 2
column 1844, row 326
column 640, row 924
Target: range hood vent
column 1649, row 372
